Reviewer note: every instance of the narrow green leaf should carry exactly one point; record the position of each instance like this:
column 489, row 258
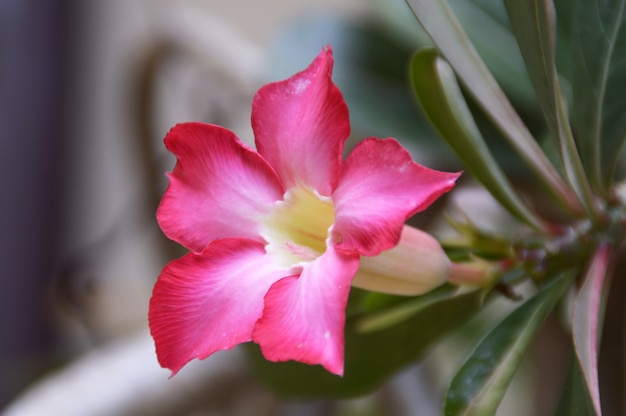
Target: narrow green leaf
column 446, row 32
column 488, row 28
column 587, row 320
column 481, row 382
column 598, row 81
column 575, row 399
column 533, row 24
column 441, row 98
column 404, row 310
column 371, row 357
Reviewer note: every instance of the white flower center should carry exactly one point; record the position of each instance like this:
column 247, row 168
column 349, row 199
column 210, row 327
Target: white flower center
column 297, row 227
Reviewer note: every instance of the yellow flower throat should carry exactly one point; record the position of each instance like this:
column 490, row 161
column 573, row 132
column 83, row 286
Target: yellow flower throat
column 297, row 227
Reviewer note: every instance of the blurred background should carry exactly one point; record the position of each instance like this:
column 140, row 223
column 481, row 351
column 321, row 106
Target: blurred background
column 88, row 90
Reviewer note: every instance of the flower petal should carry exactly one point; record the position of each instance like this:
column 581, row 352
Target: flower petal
column 300, row 126
column 218, row 188
column 380, row 187
column 304, row 316
column 206, row 302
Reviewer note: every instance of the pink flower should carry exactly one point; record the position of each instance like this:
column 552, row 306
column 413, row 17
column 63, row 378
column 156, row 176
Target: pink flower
column 276, row 235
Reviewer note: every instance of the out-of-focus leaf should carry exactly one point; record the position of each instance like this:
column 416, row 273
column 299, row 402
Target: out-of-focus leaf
column 480, row 383
column 587, row 320
column 533, row 23
column 575, row 399
column 564, row 12
column 436, row 88
column 446, row 32
column 533, row 27
column 404, row 310
column 371, row 357
column 487, row 27
column 599, row 81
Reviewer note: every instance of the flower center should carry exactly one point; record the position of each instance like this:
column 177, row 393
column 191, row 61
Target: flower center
column 297, row 227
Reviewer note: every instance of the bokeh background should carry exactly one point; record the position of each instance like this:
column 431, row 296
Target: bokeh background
column 88, row 90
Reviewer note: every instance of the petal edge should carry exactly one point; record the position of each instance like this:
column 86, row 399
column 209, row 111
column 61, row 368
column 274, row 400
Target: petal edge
column 218, row 187
column 379, row 189
column 304, row 317
column 207, row 302
column 300, row 126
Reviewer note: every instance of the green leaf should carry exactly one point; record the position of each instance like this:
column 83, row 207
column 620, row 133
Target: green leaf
column 439, row 94
column 599, row 80
column 533, row 27
column 403, row 310
column 587, row 320
column 446, row 32
column 575, row 399
column 533, row 23
column 488, row 28
column 481, row 382
column 371, row 357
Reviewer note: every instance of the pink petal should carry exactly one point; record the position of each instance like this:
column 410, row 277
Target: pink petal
column 300, row 126
column 380, row 187
column 304, row 316
column 206, row 302
column 218, row 188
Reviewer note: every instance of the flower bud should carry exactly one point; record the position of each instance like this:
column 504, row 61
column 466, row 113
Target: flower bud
column 416, row 265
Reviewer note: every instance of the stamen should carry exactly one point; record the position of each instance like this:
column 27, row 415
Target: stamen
column 305, row 253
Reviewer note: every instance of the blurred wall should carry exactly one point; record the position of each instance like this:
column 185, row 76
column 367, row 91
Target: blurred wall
column 33, row 80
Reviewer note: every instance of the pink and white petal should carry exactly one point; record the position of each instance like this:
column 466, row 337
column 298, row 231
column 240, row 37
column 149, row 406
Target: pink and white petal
column 379, row 189
column 218, row 188
column 304, row 317
column 207, row 302
column 300, row 125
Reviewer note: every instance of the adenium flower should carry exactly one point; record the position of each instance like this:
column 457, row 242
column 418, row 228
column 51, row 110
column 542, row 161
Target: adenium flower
column 276, row 235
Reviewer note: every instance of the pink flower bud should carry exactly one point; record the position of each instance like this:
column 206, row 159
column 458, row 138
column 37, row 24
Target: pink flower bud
column 416, row 265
